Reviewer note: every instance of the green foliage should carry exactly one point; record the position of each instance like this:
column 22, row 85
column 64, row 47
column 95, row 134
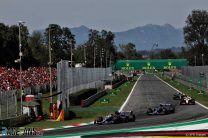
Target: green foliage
column 62, row 42
column 196, row 35
column 100, row 46
column 167, row 54
column 128, row 51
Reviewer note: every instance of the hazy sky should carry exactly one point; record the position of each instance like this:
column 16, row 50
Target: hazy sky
column 114, row 15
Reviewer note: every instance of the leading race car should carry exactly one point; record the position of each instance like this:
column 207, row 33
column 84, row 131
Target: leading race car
column 186, row 100
column 118, row 117
column 178, row 96
column 162, row 109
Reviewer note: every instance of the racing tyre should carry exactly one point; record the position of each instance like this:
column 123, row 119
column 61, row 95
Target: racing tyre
column 165, row 111
column 149, row 110
column 115, row 120
column 98, row 120
column 132, row 118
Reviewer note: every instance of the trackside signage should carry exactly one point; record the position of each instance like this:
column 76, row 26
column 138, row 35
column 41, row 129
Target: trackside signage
column 127, row 67
column 150, row 64
column 169, row 66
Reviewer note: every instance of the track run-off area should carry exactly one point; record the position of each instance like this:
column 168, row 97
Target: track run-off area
column 149, row 91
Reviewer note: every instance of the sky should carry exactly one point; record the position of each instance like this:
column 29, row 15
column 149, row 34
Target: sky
column 112, row 15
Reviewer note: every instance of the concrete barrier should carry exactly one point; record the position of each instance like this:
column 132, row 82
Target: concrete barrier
column 93, row 98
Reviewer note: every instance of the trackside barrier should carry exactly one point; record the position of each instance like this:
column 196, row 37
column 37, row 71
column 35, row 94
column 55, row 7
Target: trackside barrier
column 187, row 83
column 16, row 121
column 119, row 83
column 93, row 98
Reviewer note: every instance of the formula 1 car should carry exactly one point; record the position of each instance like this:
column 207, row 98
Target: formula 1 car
column 118, row 117
column 186, row 100
column 162, row 109
column 178, row 96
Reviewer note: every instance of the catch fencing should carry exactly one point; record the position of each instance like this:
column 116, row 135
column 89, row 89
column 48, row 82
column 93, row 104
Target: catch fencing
column 71, row 80
column 8, row 104
column 197, row 75
column 194, row 76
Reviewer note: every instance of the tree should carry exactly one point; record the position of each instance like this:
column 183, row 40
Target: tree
column 3, row 43
column 61, row 41
column 129, row 51
column 167, row 54
column 36, row 43
column 196, row 34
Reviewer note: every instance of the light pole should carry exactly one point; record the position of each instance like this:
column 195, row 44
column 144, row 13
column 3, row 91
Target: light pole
column 94, row 53
column 106, row 59
column 101, row 57
column 154, row 45
column 20, row 60
column 202, row 59
column 71, row 43
column 85, row 55
column 195, row 60
column 50, row 63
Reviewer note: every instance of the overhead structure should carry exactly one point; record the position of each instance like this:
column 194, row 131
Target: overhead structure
column 159, row 64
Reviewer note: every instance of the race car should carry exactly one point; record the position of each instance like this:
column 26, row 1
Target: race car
column 162, row 109
column 178, row 96
column 118, row 117
column 186, row 100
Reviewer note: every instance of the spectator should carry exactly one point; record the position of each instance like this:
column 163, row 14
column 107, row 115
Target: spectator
column 33, row 76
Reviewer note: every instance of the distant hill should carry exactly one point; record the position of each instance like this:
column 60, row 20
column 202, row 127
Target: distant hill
column 143, row 37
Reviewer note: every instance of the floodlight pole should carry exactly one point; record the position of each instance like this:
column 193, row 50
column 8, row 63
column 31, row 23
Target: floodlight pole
column 20, row 60
column 154, row 45
column 50, row 63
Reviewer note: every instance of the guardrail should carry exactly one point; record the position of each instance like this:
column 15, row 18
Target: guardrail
column 118, row 84
column 16, row 121
column 187, row 83
column 92, row 99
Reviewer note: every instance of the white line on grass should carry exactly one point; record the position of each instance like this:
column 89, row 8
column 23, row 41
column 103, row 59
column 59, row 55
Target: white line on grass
column 181, row 92
column 124, row 104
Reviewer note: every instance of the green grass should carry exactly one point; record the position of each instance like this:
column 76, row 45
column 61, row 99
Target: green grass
column 88, row 114
column 202, row 98
column 46, row 103
column 99, row 109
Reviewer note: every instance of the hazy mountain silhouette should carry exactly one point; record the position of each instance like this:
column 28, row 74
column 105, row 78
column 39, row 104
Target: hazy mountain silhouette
column 143, row 37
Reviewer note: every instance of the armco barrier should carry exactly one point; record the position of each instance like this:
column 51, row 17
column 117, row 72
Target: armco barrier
column 14, row 122
column 119, row 83
column 93, row 98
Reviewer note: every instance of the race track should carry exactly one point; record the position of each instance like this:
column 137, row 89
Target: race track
column 149, row 91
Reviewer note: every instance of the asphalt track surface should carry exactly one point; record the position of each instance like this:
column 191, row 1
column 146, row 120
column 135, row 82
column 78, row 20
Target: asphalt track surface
column 149, row 92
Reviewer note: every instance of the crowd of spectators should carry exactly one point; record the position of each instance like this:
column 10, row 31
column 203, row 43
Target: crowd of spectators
column 33, row 76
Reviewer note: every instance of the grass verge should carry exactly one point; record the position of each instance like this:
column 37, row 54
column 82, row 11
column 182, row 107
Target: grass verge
column 115, row 97
column 202, row 98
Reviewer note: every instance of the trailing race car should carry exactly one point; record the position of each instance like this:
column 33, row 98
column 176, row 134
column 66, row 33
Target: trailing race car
column 162, row 109
column 186, row 100
column 118, row 117
column 178, row 96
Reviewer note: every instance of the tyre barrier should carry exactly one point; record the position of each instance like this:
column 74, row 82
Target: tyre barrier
column 93, row 98
column 119, row 83
column 16, row 121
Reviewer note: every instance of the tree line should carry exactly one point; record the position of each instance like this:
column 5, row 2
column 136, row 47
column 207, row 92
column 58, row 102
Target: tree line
column 99, row 50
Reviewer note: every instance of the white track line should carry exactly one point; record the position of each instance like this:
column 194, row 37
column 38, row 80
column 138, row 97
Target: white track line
column 181, row 92
column 124, row 104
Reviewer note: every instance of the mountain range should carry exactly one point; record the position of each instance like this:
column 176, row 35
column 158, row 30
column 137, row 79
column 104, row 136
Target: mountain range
column 143, row 37
column 166, row 36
